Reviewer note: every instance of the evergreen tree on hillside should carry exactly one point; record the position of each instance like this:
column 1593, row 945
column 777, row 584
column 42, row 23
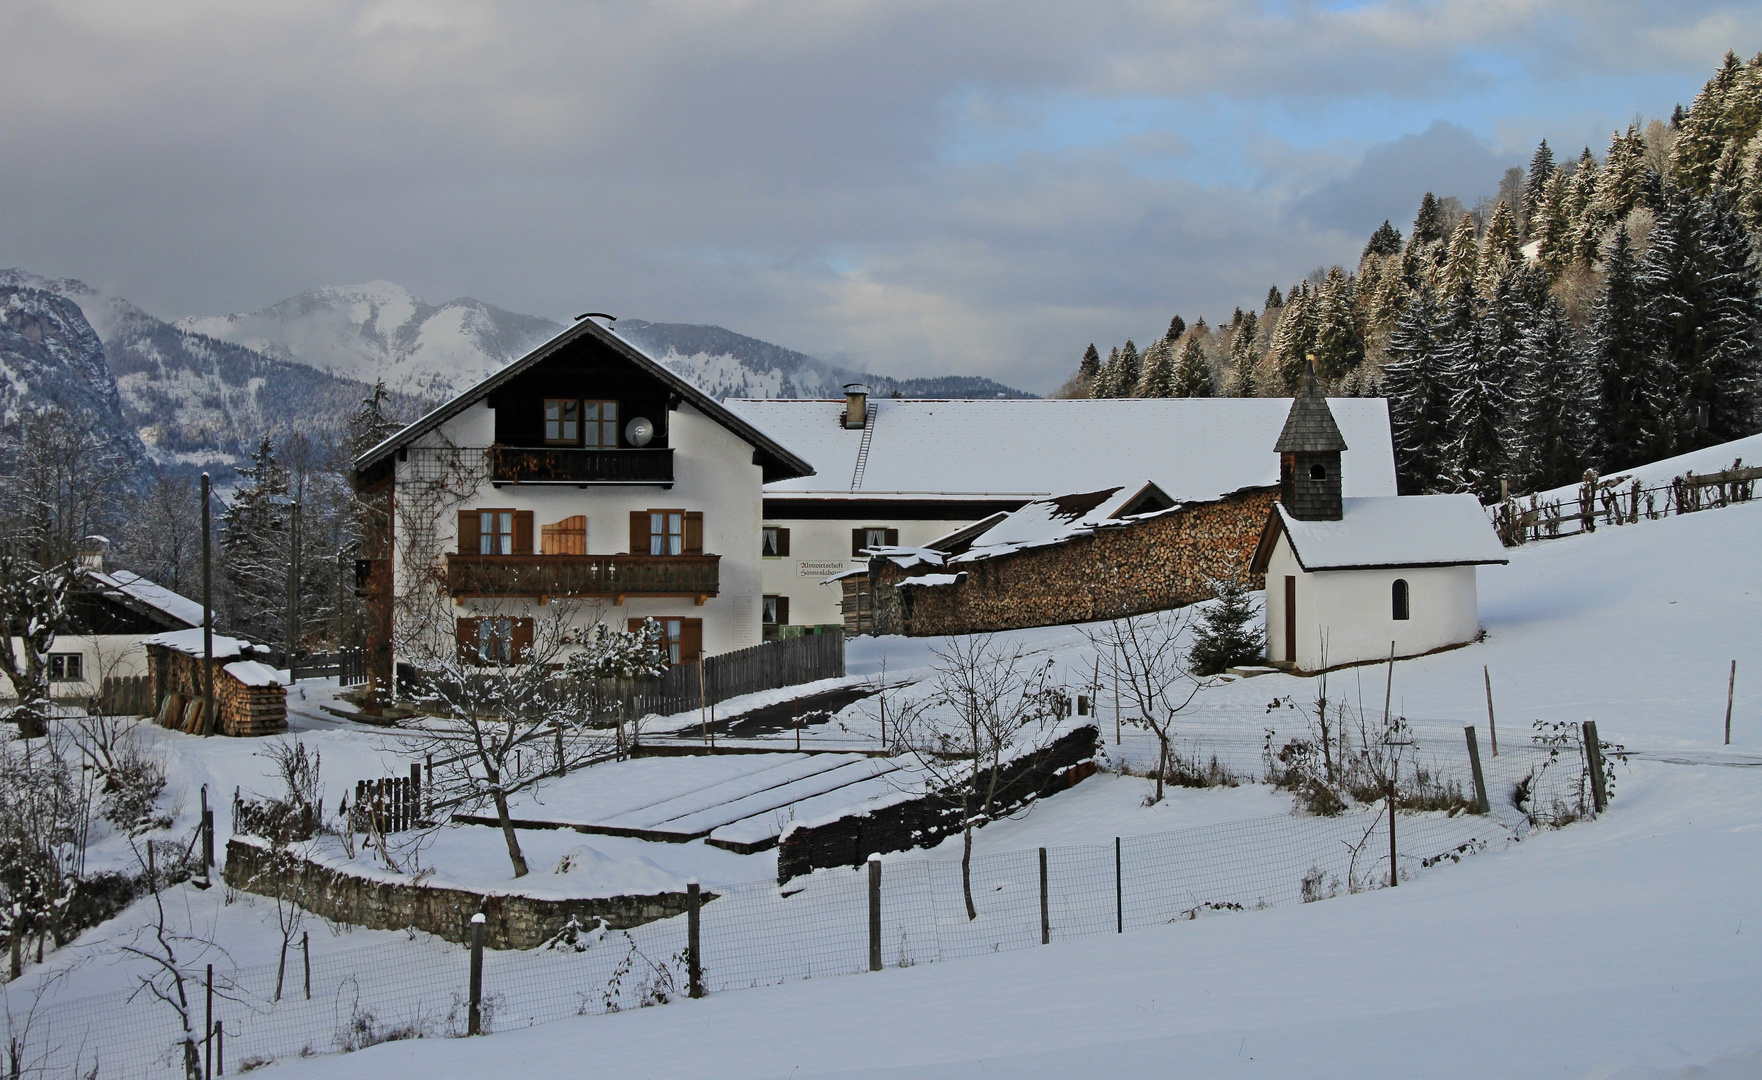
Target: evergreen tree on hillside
column 1428, row 225
column 1719, row 116
column 372, row 424
column 1700, row 286
column 1481, row 353
column 1192, row 375
column 1106, row 384
column 1551, row 228
column 1419, row 406
column 1158, row 380
column 1244, row 345
column 1089, row 368
column 1229, row 632
column 1623, row 183
column 1535, row 187
column 1500, row 251
column 1294, row 338
column 1749, row 191
column 1274, row 299
column 1177, row 327
column 1462, row 269
column 1339, row 338
column 1584, row 209
column 1620, row 358
column 1385, row 241
column 1555, row 395
column 1128, row 369
column 254, row 545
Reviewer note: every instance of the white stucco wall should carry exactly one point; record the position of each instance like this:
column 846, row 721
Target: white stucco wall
column 1350, row 614
column 819, row 548
column 713, row 473
column 101, row 656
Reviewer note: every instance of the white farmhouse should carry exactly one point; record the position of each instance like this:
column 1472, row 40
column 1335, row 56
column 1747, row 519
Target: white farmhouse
column 584, row 471
column 1346, row 577
column 905, row 472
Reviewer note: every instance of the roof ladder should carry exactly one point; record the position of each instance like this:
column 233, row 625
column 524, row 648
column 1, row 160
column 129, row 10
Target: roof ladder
column 856, row 478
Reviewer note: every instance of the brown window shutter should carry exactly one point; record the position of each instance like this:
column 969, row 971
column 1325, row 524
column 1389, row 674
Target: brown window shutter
column 523, row 532
column 892, row 537
column 782, row 610
column 466, row 632
column 469, row 541
column 694, row 532
column 639, row 532
column 856, row 543
column 633, row 625
column 520, row 639
column 691, row 640
column 782, row 541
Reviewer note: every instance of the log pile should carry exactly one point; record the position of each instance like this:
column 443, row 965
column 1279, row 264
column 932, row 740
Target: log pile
column 241, row 710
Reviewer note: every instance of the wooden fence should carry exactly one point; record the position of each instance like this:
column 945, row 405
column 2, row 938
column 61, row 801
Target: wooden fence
column 745, row 671
column 126, row 695
column 388, row 805
column 1614, row 503
column 347, row 666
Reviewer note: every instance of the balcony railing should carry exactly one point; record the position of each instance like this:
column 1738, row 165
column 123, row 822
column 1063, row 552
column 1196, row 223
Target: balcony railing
column 560, row 465
column 614, row 576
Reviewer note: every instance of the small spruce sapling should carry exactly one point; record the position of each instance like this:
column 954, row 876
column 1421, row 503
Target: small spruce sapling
column 1229, row 631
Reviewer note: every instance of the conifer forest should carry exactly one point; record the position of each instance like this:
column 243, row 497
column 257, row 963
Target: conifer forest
column 1598, row 312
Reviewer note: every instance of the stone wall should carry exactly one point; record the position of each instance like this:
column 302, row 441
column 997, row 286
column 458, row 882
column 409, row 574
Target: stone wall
column 925, row 821
column 513, row 922
column 1152, row 565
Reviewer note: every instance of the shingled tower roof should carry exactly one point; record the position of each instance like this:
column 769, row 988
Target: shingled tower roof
column 1310, row 427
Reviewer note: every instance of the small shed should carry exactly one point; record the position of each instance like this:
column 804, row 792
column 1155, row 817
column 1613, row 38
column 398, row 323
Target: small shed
column 1345, row 577
column 249, row 696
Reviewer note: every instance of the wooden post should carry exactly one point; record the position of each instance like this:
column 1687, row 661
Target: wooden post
column 798, row 724
column 208, row 1024
column 208, row 724
column 1119, row 891
column 1116, row 695
column 415, row 792
column 1730, row 687
column 1491, row 729
column 306, row 955
column 1045, row 914
column 1474, row 761
column 219, row 1048
column 702, row 699
column 1389, row 690
column 694, row 964
column 474, row 1019
column 1594, row 758
column 875, row 911
column 562, row 766
column 207, row 843
column 1394, row 871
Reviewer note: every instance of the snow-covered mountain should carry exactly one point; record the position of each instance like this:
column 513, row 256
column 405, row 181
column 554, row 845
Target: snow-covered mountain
column 382, row 331
column 50, row 355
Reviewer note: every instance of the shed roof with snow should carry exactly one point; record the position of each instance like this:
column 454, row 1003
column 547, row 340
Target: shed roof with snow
column 1378, row 533
column 1194, row 449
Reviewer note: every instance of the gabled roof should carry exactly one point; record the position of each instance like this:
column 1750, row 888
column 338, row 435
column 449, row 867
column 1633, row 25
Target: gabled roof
column 1372, row 534
column 1310, row 426
column 1195, row 449
column 778, row 461
column 154, row 600
column 1065, row 517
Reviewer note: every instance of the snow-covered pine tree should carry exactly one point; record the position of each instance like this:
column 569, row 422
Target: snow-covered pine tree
column 254, row 546
column 1244, row 352
column 1089, row 370
column 1274, row 299
column 1192, row 375
column 1584, row 210
column 1623, row 183
column 1462, row 266
column 372, row 424
column 1419, row 408
column 1620, row 357
column 1107, row 383
column 1708, row 127
column 1339, row 333
column 1485, row 338
column 1177, row 327
column 1551, row 228
column 1749, row 193
column 1551, row 443
column 1535, row 187
column 1229, row 631
column 1127, row 371
column 1500, row 251
column 1294, row 338
column 1429, row 226
column 1158, row 380
column 1701, row 291
column 1385, row 241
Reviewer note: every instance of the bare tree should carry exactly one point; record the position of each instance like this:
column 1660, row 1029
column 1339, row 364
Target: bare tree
column 170, row 974
column 987, row 706
column 1147, row 657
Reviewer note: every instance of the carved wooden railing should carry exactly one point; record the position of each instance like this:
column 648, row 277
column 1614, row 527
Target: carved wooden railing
column 553, row 465
column 696, row 576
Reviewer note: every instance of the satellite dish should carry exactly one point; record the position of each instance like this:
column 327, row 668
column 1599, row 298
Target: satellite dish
column 640, row 431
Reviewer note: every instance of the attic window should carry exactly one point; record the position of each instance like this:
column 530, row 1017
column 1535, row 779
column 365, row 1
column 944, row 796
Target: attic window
column 1318, row 471
column 593, row 424
column 562, row 421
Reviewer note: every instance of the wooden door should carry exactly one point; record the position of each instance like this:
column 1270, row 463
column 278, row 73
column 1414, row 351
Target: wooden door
column 1290, row 618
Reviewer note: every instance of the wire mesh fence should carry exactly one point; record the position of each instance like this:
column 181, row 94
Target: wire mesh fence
column 762, row 933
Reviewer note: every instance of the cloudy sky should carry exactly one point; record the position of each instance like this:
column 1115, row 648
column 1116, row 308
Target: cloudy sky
column 917, row 188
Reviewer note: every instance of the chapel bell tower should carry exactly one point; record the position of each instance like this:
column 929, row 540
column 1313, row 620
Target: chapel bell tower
column 1309, row 456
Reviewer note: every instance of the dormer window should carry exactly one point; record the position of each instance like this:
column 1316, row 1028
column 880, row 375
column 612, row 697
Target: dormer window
column 573, row 422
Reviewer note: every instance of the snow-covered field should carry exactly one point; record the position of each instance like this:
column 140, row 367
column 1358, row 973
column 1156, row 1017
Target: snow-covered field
column 1603, row 949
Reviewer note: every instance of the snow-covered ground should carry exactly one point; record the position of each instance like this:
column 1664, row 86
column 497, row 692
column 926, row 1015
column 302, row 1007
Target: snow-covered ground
column 1603, row 949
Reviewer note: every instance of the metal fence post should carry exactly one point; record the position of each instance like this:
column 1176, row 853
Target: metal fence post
column 694, row 966
column 1474, row 762
column 1594, row 758
column 1045, row 916
column 474, row 1019
column 1119, row 891
column 875, row 912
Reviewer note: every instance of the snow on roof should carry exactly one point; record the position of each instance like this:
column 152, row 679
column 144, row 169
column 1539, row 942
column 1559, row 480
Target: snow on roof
column 1195, row 449
column 930, row 581
column 155, row 596
column 189, row 642
column 1055, row 520
column 1411, row 530
column 251, row 673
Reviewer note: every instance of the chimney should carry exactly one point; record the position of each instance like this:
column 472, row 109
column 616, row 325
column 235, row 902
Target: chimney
column 856, row 405
column 92, row 553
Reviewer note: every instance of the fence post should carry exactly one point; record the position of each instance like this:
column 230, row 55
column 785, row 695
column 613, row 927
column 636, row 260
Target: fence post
column 1119, row 891
column 1394, row 868
column 694, row 965
column 306, row 955
column 208, row 1025
column 1474, row 761
column 1492, row 729
column 875, row 911
column 207, row 841
column 415, row 792
column 1594, row 757
column 1730, row 687
column 474, row 1019
column 1045, row 916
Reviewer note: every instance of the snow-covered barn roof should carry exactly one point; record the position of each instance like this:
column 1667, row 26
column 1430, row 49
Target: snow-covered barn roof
column 1195, row 449
column 189, row 642
column 137, row 591
column 1412, row 530
column 1061, row 518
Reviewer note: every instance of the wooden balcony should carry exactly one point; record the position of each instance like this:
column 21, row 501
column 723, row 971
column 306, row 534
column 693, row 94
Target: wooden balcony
column 610, row 576
column 563, row 465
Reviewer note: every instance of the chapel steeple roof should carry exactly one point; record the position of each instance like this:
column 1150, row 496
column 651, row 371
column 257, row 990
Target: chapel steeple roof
column 1310, row 427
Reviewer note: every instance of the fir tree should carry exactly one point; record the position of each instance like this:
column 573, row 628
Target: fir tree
column 1339, row 338
column 1385, row 241
column 1229, row 631
column 1583, row 210
column 1551, row 228
column 1624, row 175
column 1127, row 371
column 1749, row 190
column 1462, row 267
column 1419, row 409
column 1192, row 375
column 1620, row 357
column 1552, row 438
column 1177, row 327
column 1500, row 251
column 1294, row 338
column 1535, row 186
column 372, row 424
column 1708, row 127
column 1274, row 299
column 1089, row 369
column 1159, row 371
column 1107, row 384
column 1480, row 353
column 254, row 545
column 1428, row 224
